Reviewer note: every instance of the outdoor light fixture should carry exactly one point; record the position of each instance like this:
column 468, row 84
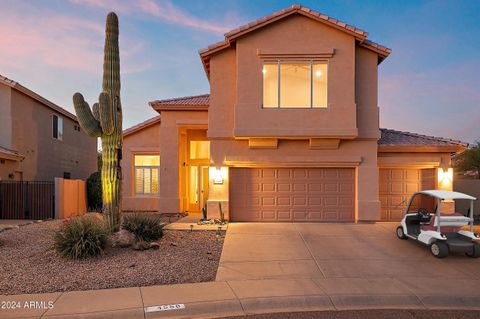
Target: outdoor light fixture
column 217, row 176
column 445, row 176
column 318, row 73
column 264, row 71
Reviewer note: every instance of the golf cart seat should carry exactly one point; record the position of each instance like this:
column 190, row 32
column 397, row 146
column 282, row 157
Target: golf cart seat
column 449, row 223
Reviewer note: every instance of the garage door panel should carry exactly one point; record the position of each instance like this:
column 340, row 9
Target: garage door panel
column 299, row 201
column 300, row 215
column 283, row 201
column 292, row 194
column 268, row 187
column 300, row 187
column 300, row 173
column 330, row 188
column 314, row 187
column 285, row 215
column 314, row 201
column 283, row 173
column 268, row 201
column 268, row 214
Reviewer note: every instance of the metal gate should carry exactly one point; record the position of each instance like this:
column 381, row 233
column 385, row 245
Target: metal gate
column 27, row 200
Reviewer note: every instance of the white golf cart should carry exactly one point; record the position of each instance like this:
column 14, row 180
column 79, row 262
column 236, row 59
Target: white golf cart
column 442, row 232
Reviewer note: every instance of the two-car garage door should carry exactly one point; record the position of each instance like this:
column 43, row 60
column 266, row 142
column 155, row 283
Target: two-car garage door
column 292, row 194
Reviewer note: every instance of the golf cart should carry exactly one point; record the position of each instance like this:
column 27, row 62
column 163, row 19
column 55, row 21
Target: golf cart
column 441, row 231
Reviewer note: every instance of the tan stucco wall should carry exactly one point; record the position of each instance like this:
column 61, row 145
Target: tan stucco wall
column 46, row 157
column 161, row 138
column 339, row 119
column 8, row 167
column 236, row 99
column 5, row 116
column 170, row 162
column 143, row 142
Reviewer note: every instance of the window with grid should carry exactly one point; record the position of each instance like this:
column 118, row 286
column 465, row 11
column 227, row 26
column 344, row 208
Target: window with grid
column 147, row 168
column 294, row 84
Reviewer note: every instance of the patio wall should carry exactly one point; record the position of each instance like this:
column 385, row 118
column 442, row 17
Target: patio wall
column 470, row 187
column 70, row 198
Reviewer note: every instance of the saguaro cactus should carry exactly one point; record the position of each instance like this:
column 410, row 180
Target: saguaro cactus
column 105, row 120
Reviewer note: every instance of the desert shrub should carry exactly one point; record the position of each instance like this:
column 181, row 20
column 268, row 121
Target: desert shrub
column 94, row 192
column 144, row 228
column 81, row 237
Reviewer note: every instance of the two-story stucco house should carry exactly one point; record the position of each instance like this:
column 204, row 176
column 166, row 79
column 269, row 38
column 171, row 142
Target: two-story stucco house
column 289, row 132
column 39, row 140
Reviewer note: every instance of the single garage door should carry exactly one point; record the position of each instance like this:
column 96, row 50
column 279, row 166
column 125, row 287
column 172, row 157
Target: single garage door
column 292, row 194
column 396, row 188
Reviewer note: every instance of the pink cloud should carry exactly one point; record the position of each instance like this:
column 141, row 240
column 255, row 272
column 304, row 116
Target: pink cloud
column 32, row 39
column 165, row 10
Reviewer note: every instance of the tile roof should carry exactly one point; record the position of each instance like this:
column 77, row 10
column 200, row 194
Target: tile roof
column 13, row 84
column 10, row 154
column 142, row 125
column 230, row 36
column 398, row 138
column 188, row 103
column 291, row 9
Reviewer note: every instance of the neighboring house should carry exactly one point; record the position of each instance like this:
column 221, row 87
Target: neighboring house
column 39, row 140
column 289, row 132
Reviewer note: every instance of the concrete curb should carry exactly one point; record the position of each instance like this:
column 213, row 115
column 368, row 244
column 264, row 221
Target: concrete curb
column 223, row 299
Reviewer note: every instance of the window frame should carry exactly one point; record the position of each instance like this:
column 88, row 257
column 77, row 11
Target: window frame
column 59, row 132
column 312, row 62
column 150, row 168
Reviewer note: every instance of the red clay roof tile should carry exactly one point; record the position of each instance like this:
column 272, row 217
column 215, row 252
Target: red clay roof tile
column 231, row 35
column 194, row 100
column 398, row 138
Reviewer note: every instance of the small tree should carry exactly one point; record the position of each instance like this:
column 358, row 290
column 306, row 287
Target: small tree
column 469, row 160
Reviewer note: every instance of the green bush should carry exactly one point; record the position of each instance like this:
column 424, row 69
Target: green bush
column 143, row 227
column 94, row 192
column 81, row 237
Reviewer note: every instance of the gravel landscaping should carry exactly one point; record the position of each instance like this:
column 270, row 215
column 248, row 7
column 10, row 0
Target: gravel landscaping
column 30, row 264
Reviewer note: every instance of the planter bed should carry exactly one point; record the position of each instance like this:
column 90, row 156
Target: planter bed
column 30, row 264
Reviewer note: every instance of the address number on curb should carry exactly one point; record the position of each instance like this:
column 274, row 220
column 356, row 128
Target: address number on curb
column 165, row 308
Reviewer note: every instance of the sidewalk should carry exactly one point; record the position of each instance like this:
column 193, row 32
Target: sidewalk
column 241, row 297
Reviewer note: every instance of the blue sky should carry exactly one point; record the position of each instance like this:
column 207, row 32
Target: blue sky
column 430, row 84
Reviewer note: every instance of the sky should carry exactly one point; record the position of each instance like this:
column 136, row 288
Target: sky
column 430, row 84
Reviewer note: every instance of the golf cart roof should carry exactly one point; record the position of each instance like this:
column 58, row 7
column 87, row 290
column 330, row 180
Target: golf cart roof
column 446, row 194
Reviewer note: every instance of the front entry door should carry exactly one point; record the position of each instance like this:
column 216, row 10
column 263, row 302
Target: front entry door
column 197, row 188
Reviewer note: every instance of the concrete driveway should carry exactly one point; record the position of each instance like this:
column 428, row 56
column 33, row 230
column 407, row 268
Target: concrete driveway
column 262, row 250
column 355, row 264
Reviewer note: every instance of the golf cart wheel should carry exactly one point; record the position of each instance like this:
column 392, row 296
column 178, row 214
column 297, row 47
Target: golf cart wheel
column 475, row 253
column 439, row 249
column 400, row 233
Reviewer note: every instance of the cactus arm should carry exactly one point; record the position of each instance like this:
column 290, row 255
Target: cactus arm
column 106, row 113
column 96, row 111
column 85, row 117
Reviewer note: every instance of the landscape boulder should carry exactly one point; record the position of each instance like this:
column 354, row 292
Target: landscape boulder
column 123, row 238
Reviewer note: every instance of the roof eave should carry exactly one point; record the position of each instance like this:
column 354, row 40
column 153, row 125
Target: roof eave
column 10, row 156
column 172, row 107
column 421, row 149
column 17, row 86
column 141, row 126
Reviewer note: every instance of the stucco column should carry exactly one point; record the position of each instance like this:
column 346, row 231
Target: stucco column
column 368, row 203
column 169, row 201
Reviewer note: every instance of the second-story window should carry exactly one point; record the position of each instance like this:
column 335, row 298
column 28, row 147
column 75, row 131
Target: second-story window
column 294, row 84
column 57, row 127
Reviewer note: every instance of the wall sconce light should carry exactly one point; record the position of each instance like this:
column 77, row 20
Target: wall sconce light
column 445, row 176
column 217, row 176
